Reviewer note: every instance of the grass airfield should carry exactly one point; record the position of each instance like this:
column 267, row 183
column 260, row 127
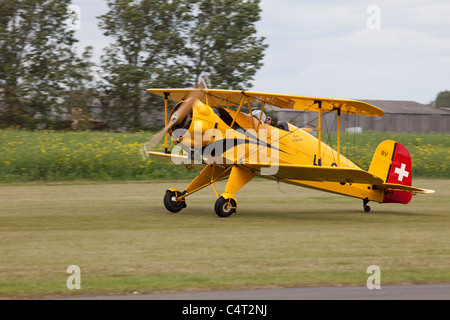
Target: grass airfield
column 124, row 240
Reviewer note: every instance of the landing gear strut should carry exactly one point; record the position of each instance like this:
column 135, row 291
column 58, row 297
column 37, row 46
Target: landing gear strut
column 225, row 206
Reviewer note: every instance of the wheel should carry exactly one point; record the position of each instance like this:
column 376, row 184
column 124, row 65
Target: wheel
column 171, row 203
column 225, row 207
column 365, row 206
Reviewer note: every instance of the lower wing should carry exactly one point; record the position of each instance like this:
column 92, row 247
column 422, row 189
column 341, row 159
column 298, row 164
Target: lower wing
column 183, row 160
column 300, row 172
column 315, row 173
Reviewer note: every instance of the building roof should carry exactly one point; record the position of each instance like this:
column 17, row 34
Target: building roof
column 406, row 107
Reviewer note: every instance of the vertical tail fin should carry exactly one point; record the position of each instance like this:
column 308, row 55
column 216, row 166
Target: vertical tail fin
column 392, row 162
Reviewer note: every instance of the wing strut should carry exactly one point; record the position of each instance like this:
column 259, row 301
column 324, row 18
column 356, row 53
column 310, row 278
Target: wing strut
column 319, row 134
column 166, row 101
column 338, row 137
column 238, row 110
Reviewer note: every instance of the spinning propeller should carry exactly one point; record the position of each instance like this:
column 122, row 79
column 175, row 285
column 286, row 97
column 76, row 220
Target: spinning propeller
column 177, row 117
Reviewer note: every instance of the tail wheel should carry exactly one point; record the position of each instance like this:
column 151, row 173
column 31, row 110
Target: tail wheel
column 225, row 207
column 171, row 203
column 365, row 206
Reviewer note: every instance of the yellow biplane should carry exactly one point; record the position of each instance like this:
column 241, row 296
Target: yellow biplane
column 210, row 132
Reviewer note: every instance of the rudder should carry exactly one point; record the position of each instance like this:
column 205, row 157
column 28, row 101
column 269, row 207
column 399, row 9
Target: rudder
column 392, row 162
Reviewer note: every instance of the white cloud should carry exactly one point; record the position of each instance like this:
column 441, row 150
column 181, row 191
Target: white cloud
column 89, row 34
column 326, row 49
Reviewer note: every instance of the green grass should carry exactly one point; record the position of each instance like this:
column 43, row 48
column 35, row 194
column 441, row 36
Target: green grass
column 106, row 156
column 124, row 240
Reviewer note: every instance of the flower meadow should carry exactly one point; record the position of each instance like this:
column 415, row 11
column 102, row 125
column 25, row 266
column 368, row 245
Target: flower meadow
column 93, row 155
column 430, row 152
column 85, row 155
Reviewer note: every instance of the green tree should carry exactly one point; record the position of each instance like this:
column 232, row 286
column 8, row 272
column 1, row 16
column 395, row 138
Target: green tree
column 443, row 99
column 37, row 60
column 172, row 44
column 81, row 87
column 147, row 51
column 224, row 44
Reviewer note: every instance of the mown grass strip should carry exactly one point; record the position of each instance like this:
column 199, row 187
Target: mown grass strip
column 124, row 240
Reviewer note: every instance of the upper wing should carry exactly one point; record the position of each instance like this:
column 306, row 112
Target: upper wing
column 215, row 97
column 316, row 173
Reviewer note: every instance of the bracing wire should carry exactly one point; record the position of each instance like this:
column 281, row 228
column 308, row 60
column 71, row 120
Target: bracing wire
column 329, row 138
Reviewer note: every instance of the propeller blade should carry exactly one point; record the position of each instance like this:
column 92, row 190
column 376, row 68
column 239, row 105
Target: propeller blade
column 177, row 117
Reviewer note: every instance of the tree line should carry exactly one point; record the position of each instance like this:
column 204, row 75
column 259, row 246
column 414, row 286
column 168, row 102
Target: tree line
column 154, row 43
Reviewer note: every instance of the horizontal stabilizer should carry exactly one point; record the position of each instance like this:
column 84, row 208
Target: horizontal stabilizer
column 400, row 187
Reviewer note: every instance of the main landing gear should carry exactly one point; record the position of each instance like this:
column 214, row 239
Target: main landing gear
column 226, row 205
column 170, row 200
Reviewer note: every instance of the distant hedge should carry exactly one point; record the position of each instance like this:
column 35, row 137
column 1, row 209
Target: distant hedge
column 94, row 155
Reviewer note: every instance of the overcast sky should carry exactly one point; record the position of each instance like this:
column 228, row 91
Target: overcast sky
column 354, row 49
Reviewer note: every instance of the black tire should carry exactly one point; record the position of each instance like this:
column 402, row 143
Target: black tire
column 366, row 209
column 170, row 204
column 222, row 209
